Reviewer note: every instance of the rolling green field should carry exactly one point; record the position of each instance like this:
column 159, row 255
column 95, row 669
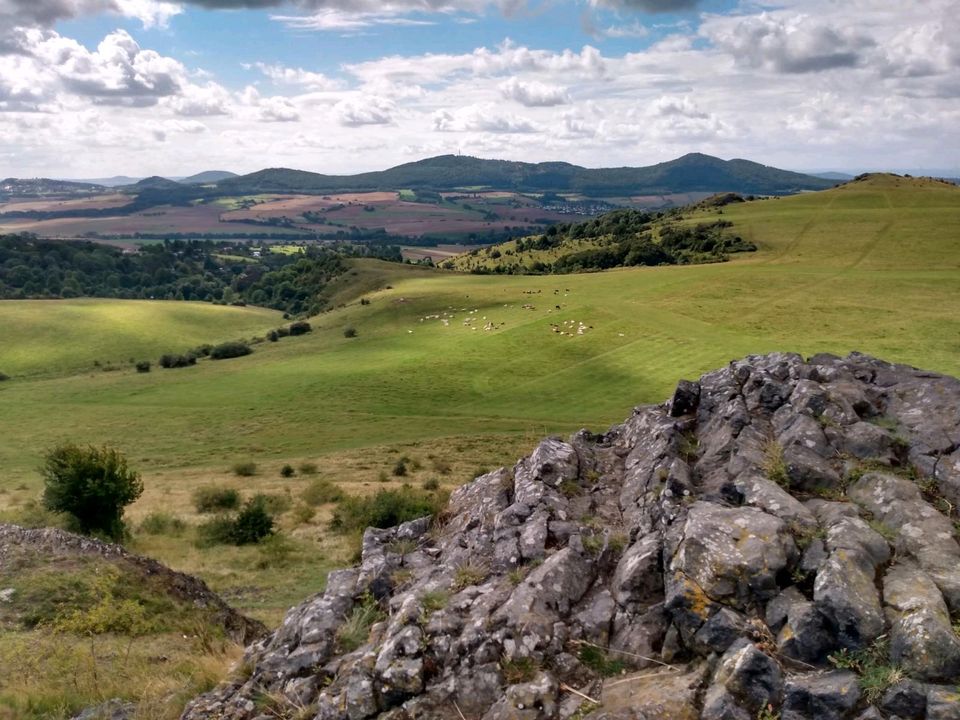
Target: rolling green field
column 872, row 266
column 45, row 337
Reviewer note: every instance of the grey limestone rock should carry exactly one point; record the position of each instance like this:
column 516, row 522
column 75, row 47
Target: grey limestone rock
column 665, row 569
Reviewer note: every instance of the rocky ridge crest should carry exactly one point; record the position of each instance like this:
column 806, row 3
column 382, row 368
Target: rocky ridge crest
column 775, row 541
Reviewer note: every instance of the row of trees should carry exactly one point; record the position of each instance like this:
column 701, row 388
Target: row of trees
column 172, row 270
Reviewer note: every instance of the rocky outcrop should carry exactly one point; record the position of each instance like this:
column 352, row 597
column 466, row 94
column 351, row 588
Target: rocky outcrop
column 23, row 547
column 777, row 540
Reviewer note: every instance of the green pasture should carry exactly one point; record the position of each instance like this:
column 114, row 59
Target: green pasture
column 46, row 337
column 871, row 267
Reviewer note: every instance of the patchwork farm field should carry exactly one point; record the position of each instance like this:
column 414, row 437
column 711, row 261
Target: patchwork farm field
column 461, row 372
column 400, row 213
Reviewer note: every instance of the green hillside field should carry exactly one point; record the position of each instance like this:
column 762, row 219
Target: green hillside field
column 468, row 371
column 871, row 266
column 44, row 337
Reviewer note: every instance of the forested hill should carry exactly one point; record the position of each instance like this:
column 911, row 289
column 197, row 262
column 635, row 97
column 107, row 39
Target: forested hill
column 172, row 270
column 691, row 173
column 621, row 238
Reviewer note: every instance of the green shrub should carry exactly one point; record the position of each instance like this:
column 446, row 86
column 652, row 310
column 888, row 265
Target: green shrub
column 400, row 469
column 91, row 484
column 230, row 350
column 273, row 336
column 177, row 361
column 300, row 328
column 349, row 332
column 386, row 509
column 161, row 523
column 321, row 491
column 143, row 366
column 3, row 377
column 246, row 468
column 431, row 484
column 253, row 523
column 308, row 468
column 287, row 471
column 217, row 530
column 214, row 499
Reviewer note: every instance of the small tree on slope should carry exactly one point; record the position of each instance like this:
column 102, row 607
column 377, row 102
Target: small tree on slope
column 91, row 484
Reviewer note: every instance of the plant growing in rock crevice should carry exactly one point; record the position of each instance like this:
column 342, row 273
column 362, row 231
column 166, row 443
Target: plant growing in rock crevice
column 355, row 630
column 774, row 464
column 872, row 664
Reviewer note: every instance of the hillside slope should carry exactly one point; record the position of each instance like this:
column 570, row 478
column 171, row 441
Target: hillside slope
column 718, row 226
column 872, row 266
column 690, row 173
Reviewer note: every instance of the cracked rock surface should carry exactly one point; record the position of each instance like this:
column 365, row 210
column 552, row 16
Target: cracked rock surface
column 776, row 540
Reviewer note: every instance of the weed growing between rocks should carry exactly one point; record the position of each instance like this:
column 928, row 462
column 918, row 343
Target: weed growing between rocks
column 355, row 631
column 873, row 666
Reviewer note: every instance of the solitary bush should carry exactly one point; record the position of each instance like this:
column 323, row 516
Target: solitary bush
column 230, row 350
column 92, row 484
column 321, row 491
column 212, row 499
column 287, row 471
column 400, row 469
column 253, row 523
column 386, row 509
column 300, row 328
column 245, row 469
column 4, row 376
column 249, row 526
column 349, row 332
column 161, row 523
column 308, row 468
column 177, row 361
column 143, row 366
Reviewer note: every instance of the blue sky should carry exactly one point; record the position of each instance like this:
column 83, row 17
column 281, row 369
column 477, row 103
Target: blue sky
column 91, row 88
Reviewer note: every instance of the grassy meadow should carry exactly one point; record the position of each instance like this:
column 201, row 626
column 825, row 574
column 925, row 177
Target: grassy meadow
column 459, row 373
column 54, row 337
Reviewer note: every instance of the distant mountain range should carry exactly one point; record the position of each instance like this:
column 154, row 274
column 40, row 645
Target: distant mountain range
column 691, row 173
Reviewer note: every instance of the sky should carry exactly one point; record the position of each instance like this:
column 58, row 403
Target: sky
column 95, row 88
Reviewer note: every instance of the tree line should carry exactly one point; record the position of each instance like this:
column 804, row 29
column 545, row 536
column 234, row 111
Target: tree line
column 171, row 270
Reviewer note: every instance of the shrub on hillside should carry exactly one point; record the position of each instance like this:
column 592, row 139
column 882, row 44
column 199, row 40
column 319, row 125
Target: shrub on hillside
column 161, row 523
column 230, row 350
column 300, row 328
column 91, row 484
column 349, row 332
column 287, row 471
column 273, row 336
column 171, row 360
column 386, row 509
column 245, row 469
column 253, row 523
column 308, row 468
column 4, row 376
column 212, row 499
column 321, row 491
column 274, row 503
column 143, row 366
